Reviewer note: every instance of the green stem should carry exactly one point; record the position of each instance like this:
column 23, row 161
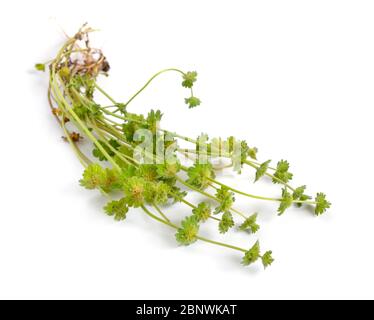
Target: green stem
column 114, row 150
column 80, row 124
column 243, row 193
column 105, row 94
column 251, row 164
column 117, row 116
column 141, row 89
column 175, row 135
column 222, row 244
column 150, row 214
column 196, row 189
column 194, row 207
column 82, row 158
column 108, row 128
column 149, row 81
column 161, row 213
column 114, row 123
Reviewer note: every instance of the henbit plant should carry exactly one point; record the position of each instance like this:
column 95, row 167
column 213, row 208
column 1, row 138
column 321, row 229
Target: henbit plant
column 151, row 178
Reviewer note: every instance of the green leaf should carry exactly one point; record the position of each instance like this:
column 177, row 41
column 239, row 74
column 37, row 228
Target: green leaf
column 134, row 189
column 238, row 151
column 81, row 111
column 192, row 102
column 299, row 192
column 96, row 152
column 148, row 172
column 96, row 177
column 187, row 234
column 282, row 173
column 267, row 259
column 261, row 170
column 250, row 224
column 189, row 78
column 118, row 209
column 244, row 150
column 177, row 194
column 114, row 180
column 231, row 143
column 202, row 144
column 252, row 255
column 322, row 204
column 156, row 193
column 93, row 177
column 252, row 152
column 202, row 212
column 134, row 123
column 153, row 120
column 129, row 172
column 199, row 175
column 64, row 73
column 168, row 171
column 40, row 67
column 286, row 202
column 95, row 110
column 226, row 198
column 125, row 151
column 226, row 223
column 300, row 195
column 83, row 83
column 304, row 197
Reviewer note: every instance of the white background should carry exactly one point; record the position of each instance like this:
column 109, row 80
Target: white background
column 294, row 78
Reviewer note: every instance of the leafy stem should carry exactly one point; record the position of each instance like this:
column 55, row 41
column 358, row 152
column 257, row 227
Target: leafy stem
column 170, row 224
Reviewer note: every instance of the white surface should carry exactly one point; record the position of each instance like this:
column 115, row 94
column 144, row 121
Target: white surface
column 295, row 78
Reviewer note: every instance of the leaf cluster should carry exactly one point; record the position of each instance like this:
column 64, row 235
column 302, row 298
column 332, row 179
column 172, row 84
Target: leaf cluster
column 254, row 254
column 200, row 175
column 226, row 198
column 187, row 233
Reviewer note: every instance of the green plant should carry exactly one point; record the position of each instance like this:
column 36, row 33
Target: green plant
column 115, row 166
